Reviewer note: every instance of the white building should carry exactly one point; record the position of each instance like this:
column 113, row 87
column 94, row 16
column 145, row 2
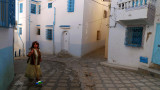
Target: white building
column 134, row 33
column 7, row 22
column 77, row 26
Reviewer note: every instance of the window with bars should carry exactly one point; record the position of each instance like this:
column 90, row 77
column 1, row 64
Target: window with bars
column 49, row 5
column 7, row 13
column 49, row 34
column 70, row 6
column 38, row 31
column 134, row 36
column 33, row 8
column 20, row 31
column 21, row 7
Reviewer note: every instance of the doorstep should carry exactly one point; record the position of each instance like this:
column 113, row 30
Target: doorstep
column 117, row 66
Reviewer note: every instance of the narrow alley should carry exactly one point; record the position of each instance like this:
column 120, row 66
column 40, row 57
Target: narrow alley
column 84, row 73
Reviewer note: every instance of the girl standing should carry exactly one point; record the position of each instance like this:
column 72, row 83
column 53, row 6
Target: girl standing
column 33, row 70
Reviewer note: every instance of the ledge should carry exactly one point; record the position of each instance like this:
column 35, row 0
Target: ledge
column 118, row 66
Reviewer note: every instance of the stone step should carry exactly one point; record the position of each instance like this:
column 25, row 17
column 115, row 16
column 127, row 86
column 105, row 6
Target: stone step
column 122, row 67
column 149, row 71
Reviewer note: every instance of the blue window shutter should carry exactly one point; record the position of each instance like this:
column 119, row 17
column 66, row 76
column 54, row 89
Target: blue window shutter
column 49, row 34
column 49, row 5
column 39, row 9
column 134, row 36
column 11, row 11
column 21, row 7
column 33, row 8
column 7, row 13
column 70, row 6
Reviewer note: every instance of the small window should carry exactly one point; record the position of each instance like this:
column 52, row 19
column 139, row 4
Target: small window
column 38, row 31
column 49, row 34
column 20, row 31
column 98, row 35
column 70, row 6
column 119, row 6
column 21, row 7
column 122, row 5
column 105, row 14
column 134, row 36
column 33, row 8
column 39, row 9
column 49, row 5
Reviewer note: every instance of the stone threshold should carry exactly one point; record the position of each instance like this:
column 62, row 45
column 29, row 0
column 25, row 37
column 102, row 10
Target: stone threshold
column 149, row 71
column 117, row 66
column 142, row 70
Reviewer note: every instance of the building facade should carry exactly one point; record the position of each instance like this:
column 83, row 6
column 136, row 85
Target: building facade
column 7, row 22
column 76, row 26
column 134, row 33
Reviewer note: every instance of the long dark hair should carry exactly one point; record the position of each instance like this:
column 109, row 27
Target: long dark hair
column 35, row 42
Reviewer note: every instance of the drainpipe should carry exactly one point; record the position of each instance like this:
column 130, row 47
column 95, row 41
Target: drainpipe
column 53, row 28
column 29, row 19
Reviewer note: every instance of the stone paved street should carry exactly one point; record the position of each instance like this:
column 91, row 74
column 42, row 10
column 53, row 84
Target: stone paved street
column 84, row 73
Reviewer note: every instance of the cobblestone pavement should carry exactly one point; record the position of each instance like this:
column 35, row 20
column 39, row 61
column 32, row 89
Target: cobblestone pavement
column 82, row 74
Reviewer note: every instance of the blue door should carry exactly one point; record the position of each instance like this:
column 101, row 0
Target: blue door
column 156, row 50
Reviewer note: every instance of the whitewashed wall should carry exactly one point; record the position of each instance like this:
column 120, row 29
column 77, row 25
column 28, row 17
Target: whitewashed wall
column 128, row 56
column 6, row 57
column 93, row 21
column 75, row 20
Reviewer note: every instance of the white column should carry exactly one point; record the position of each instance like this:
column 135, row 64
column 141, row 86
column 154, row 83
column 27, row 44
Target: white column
column 139, row 2
column 131, row 3
column 143, row 2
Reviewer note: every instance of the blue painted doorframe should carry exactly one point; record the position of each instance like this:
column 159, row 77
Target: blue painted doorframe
column 156, row 49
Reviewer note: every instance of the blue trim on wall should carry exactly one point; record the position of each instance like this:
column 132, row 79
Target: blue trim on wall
column 19, row 24
column 38, row 25
column 6, row 67
column 64, row 26
column 49, row 25
column 35, row 1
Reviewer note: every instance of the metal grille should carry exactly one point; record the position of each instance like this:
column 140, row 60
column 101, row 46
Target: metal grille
column 7, row 13
column 134, row 36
